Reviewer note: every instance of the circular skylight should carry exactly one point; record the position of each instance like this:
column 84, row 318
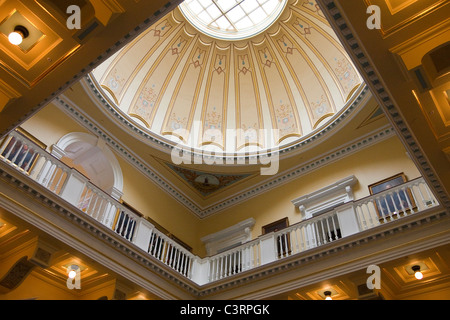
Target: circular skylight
column 232, row 19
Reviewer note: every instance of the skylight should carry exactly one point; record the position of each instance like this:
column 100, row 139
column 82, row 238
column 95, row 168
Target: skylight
column 232, row 19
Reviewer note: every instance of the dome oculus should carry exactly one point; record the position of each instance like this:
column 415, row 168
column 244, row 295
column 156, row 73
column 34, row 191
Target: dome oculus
column 232, row 19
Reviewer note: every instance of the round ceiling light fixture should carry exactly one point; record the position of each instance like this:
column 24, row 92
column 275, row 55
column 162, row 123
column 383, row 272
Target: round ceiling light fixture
column 417, row 273
column 16, row 37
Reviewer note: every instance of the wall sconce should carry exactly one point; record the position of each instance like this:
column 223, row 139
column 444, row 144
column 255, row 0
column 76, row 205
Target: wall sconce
column 16, row 37
column 327, row 295
column 417, row 273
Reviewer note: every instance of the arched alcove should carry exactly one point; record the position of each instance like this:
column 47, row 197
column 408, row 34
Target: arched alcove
column 90, row 155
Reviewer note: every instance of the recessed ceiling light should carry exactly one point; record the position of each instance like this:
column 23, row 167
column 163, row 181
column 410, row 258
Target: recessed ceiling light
column 16, row 37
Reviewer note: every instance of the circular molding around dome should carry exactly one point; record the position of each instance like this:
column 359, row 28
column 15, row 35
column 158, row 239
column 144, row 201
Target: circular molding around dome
column 269, row 92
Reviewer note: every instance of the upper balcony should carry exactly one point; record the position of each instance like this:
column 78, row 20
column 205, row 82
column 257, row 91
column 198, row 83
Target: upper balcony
column 311, row 235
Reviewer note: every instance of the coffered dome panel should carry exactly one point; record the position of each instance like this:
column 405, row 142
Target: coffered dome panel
column 232, row 95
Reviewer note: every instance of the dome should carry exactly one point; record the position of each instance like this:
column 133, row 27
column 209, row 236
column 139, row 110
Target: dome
column 232, row 95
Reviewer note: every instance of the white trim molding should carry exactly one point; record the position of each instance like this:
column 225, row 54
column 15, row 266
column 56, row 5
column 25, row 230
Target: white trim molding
column 326, row 198
column 229, row 237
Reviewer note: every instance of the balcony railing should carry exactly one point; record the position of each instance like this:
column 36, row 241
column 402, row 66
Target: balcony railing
column 351, row 218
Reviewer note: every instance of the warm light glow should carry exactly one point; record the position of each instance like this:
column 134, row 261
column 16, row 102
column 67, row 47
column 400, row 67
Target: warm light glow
column 15, row 38
column 417, row 272
column 72, row 274
column 327, row 295
column 418, row 275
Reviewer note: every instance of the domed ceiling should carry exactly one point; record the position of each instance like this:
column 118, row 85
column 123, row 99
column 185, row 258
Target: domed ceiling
column 195, row 79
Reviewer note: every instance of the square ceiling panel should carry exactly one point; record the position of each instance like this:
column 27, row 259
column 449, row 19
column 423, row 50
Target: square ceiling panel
column 17, row 19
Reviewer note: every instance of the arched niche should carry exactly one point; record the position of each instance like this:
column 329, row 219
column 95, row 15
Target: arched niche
column 90, row 155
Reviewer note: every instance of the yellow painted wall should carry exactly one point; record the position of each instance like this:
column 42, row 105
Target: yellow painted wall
column 370, row 165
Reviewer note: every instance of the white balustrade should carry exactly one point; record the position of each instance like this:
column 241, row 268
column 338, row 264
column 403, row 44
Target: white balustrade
column 171, row 253
column 408, row 198
column 350, row 218
column 307, row 234
column 233, row 261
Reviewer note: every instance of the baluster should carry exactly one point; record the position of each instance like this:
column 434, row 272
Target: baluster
column 231, row 263
column 14, row 159
column 279, row 247
column 189, row 267
column 23, row 158
column 286, row 244
column 11, row 149
column 124, row 224
column 150, row 242
column 167, row 252
column 93, row 210
column 417, row 202
column 334, row 227
column 154, row 243
column 396, row 210
column 307, row 236
column 102, row 210
column 324, row 237
column 383, row 213
column 174, row 257
column 217, row 273
column 250, row 257
column 158, row 248
column 297, row 249
column 361, row 222
column 329, row 229
column 178, row 259
column 221, row 267
column 239, row 261
column 211, row 270
column 131, row 229
column 48, row 175
column 59, row 181
column 253, row 259
column 217, row 263
column 33, row 155
column 86, row 192
column 431, row 200
column 402, row 204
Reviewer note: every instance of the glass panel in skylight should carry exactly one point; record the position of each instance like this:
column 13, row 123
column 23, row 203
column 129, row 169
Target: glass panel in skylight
column 236, row 14
column 195, row 7
column 205, row 17
column 227, row 18
column 244, row 23
column 270, row 6
column 214, row 12
column 258, row 15
column 226, row 5
column 249, row 5
column 205, row 3
column 223, row 23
